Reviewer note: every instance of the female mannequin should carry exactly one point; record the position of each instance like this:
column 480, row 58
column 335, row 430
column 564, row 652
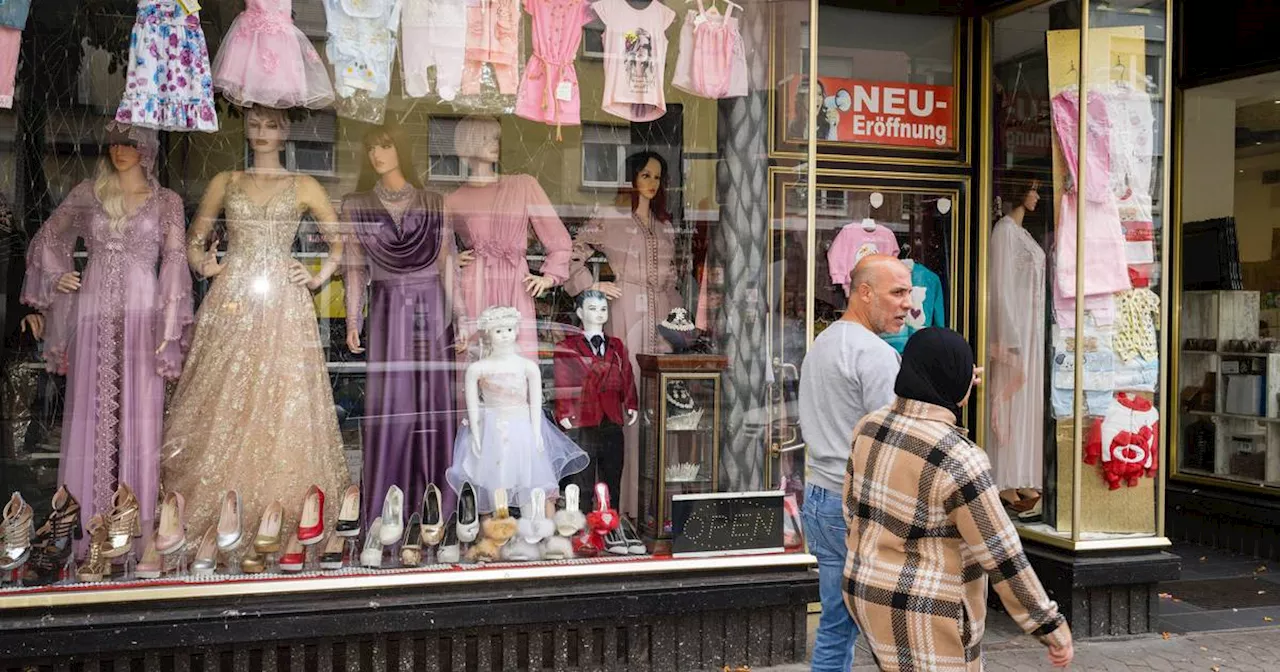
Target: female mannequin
column 640, row 245
column 507, row 442
column 491, row 214
column 1016, row 364
column 253, row 411
column 401, row 244
column 119, row 333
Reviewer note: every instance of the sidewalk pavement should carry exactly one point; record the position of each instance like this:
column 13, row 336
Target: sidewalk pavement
column 1243, row 650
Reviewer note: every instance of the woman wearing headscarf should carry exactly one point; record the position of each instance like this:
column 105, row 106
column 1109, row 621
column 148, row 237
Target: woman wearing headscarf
column 927, row 529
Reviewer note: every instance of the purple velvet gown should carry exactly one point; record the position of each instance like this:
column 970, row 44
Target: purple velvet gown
column 409, row 415
column 134, row 293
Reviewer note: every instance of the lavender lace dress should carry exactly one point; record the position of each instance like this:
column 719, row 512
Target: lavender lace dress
column 104, row 338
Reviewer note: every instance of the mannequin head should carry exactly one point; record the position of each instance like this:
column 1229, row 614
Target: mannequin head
column 500, row 325
column 478, row 139
column 593, row 310
column 647, row 173
column 386, row 149
column 124, row 157
column 267, row 129
column 1020, row 191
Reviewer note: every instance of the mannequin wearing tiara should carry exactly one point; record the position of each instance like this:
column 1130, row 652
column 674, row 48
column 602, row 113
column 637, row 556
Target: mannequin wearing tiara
column 120, row 331
column 507, row 442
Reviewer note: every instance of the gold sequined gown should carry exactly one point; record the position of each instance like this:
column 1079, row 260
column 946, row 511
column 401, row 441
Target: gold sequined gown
column 253, row 410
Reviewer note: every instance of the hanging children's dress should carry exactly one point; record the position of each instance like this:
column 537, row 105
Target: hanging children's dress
column 549, row 91
column 266, row 60
column 362, row 44
column 713, row 41
column 13, row 19
column 635, row 60
column 169, row 86
column 493, row 37
column 433, row 33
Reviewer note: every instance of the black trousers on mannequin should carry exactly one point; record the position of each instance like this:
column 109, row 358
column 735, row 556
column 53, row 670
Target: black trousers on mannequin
column 603, row 444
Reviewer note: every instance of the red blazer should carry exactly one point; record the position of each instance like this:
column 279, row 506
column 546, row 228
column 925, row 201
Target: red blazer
column 590, row 389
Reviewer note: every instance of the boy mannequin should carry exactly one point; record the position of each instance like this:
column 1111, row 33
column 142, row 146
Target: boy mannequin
column 598, row 395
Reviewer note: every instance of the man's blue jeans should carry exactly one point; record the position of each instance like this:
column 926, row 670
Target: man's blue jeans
column 825, row 532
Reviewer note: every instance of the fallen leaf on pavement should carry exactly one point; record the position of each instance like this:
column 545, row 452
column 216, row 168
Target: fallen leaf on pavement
column 1267, row 619
column 1165, row 635
column 1165, row 595
column 1262, row 592
column 1260, row 569
column 1213, row 669
column 1203, row 559
column 1204, row 648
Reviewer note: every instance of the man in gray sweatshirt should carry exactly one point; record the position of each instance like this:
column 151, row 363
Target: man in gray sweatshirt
column 848, row 373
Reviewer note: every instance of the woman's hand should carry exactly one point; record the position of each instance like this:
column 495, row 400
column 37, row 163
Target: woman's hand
column 210, row 266
column 353, row 342
column 610, row 290
column 299, row 275
column 535, row 285
column 34, row 322
column 69, row 282
column 1060, row 656
column 465, row 258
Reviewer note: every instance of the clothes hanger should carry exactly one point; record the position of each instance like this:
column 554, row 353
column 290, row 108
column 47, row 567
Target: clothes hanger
column 869, row 224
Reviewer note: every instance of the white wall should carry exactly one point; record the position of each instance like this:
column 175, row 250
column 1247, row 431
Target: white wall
column 1209, row 159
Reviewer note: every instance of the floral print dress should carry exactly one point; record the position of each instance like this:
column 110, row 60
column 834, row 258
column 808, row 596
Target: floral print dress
column 169, row 86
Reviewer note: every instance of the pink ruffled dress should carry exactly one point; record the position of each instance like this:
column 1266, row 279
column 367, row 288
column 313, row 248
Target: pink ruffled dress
column 265, row 60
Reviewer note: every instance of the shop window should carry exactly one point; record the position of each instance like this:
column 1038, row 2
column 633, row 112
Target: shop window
column 604, row 155
column 1064, row 313
column 593, row 39
column 310, row 148
column 443, row 163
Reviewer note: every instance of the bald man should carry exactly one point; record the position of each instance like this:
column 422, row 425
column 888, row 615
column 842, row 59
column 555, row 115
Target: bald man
column 848, row 373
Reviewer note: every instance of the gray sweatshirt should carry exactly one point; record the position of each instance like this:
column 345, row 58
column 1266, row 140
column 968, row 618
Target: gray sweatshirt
column 848, row 373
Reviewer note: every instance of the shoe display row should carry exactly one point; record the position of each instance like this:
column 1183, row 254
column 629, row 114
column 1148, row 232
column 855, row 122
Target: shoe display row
column 538, row 532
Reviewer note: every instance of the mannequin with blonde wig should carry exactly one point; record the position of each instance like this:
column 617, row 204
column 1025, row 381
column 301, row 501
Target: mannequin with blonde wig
column 119, row 329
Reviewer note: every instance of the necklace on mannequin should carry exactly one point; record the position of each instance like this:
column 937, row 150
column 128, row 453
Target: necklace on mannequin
column 393, row 196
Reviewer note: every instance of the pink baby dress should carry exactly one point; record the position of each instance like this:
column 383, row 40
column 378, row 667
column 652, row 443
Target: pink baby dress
column 713, row 41
column 549, row 91
column 266, row 60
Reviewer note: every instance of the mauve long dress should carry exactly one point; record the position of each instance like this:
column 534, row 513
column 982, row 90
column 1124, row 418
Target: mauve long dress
column 409, row 416
column 134, row 293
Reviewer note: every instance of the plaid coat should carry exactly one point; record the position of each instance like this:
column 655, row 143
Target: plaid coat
column 926, row 530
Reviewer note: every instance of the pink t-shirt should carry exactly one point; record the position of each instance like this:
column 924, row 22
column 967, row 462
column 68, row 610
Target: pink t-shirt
column 635, row 46
column 852, row 244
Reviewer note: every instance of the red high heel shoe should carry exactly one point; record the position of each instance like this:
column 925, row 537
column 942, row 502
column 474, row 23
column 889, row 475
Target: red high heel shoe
column 600, row 523
column 311, row 522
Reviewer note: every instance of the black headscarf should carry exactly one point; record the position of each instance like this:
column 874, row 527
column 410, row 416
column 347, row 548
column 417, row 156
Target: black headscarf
column 937, row 368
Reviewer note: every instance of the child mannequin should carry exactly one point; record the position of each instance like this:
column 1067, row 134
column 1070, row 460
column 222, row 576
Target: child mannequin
column 507, row 442
column 593, row 371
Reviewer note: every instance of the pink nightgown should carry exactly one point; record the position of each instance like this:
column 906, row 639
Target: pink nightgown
column 493, row 222
column 549, row 90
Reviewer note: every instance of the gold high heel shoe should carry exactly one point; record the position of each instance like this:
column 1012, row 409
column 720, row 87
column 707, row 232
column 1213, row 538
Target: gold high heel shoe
column 18, row 527
column 123, row 523
column 268, row 539
column 96, row 565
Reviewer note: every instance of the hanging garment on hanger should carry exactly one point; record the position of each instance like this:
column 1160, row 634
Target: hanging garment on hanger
column 168, row 86
column 433, row 33
column 361, row 47
column 714, row 42
column 852, row 244
column 493, row 37
column 635, row 46
column 13, row 19
column 266, row 60
column 549, row 90
column 1125, row 443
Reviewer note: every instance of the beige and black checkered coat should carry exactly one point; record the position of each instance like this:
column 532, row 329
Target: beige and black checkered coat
column 926, row 530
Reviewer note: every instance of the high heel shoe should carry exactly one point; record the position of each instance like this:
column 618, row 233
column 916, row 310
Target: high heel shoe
column 230, row 522
column 569, row 520
column 534, row 526
column 206, row 561
column 171, row 533
column 123, row 524
column 605, row 518
column 498, row 530
column 268, row 538
column 18, row 529
column 392, row 516
column 331, row 556
column 348, row 524
column 96, row 565
column 371, row 556
column 411, row 545
column 432, row 517
column 253, row 563
column 311, row 522
column 151, row 565
column 557, row 548
column 468, row 527
column 53, row 546
column 450, row 551
column 294, row 557
column 635, row 545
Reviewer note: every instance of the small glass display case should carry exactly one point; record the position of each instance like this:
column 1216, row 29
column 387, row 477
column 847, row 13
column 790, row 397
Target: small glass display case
column 679, row 435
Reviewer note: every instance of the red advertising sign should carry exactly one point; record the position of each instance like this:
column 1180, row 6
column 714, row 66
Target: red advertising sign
column 882, row 113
